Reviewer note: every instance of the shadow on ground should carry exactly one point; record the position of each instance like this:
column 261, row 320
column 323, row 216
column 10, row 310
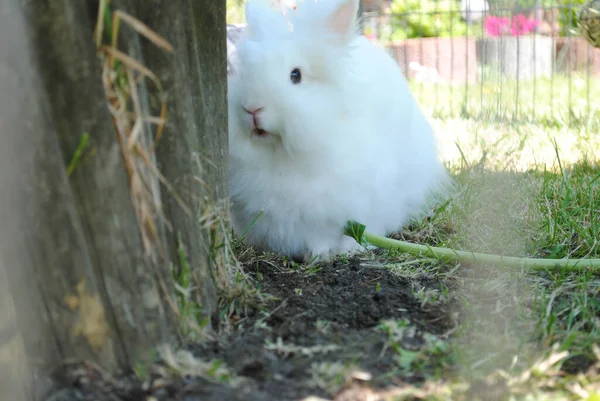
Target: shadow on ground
column 325, row 326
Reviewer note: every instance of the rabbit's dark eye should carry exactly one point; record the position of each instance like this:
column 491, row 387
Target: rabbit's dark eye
column 296, row 76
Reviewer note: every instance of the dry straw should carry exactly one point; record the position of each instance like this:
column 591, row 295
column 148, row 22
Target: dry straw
column 121, row 75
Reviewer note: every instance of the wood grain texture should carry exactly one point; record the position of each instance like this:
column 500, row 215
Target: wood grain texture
column 74, row 280
column 193, row 150
column 70, row 69
column 43, row 254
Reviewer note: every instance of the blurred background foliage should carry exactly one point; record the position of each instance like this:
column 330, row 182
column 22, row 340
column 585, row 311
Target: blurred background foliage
column 442, row 18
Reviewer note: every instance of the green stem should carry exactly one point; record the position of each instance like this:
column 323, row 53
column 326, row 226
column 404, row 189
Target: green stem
column 78, row 153
column 358, row 232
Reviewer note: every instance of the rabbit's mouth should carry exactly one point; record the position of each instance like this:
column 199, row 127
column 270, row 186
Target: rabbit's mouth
column 264, row 137
column 259, row 132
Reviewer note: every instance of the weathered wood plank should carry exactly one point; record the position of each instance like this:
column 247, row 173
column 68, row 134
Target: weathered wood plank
column 13, row 368
column 43, row 256
column 75, row 282
column 71, row 71
column 193, row 150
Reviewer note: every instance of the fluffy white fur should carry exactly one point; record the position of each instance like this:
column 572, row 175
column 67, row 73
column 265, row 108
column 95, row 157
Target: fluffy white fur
column 348, row 142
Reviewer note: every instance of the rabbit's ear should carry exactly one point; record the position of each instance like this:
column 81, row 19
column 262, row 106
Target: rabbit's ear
column 261, row 16
column 256, row 14
column 342, row 20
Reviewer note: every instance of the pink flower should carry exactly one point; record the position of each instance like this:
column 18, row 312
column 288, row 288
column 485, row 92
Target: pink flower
column 517, row 26
column 522, row 25
column 496, row 26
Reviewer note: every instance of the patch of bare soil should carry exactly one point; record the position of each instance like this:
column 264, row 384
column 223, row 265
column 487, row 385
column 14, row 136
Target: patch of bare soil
column 332, row 314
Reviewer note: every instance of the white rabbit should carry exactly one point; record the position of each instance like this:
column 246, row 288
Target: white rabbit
column 322, row 129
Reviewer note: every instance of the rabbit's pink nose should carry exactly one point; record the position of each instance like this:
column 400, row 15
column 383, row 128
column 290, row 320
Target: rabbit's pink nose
column 254, row 114
column 253, row 111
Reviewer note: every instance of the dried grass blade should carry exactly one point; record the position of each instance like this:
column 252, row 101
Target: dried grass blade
column 144, row 30
column 132, row 63
column 161, row 126
column 135, row 133
column 100, row 22
column 165, row 183
column 115, row 30
column 154, row 120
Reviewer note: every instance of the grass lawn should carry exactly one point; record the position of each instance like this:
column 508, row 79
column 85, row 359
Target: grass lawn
column 382, row 325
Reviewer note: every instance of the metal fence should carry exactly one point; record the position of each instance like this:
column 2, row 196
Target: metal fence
column 503, row 61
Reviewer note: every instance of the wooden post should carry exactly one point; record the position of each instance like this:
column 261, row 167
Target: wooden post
column 75, row 282
column 129, row 281
column 44, row 259
column 192, row 153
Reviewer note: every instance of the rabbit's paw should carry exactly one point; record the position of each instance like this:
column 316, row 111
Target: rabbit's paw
column 312, row 257
column 319, row 254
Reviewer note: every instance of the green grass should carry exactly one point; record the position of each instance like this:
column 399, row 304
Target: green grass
column 76, row 159
column 433, row 349
column 566, row 100
column 526, row 185
column 559, row 307
column 192, row 320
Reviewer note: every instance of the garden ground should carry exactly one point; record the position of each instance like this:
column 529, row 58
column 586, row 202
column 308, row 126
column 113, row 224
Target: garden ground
column 385, row 325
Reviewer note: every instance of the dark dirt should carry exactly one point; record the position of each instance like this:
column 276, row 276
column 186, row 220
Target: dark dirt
column 337, row 307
